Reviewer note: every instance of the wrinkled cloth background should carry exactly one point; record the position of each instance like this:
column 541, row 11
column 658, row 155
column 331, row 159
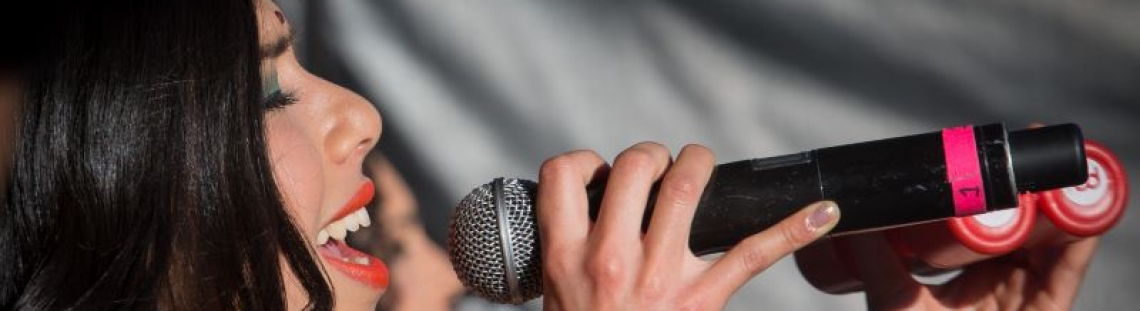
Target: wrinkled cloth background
column 472, row 90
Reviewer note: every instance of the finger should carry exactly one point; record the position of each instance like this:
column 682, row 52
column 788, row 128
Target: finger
column 1044, row 275
column 758, row 252
column 633, row 175
column 562, row 202
column 677, row 200
column 886, row 280
column 1065, row 267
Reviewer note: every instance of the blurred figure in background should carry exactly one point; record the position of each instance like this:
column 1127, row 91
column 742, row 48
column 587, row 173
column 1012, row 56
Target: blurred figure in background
column 421, row 277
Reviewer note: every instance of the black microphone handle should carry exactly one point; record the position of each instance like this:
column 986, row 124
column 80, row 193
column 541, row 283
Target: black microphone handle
column 884, row 183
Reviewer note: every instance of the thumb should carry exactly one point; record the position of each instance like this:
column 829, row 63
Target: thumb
column 758, row 252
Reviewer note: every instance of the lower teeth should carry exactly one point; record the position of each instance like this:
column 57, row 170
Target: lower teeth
column 356, row 260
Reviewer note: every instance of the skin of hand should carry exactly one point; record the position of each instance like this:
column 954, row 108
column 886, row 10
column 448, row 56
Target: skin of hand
column 422, row 278
column 1041, row 278
column 611, row 264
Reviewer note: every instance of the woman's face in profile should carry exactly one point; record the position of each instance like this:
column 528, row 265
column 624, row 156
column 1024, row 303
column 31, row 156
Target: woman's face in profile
column 319, row 135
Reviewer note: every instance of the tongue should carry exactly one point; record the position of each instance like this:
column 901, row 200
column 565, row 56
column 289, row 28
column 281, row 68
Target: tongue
column 334, row 248
column 340, row 250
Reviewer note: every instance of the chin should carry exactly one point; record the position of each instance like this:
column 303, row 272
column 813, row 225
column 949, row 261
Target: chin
column 348, row 294
column 352, row 295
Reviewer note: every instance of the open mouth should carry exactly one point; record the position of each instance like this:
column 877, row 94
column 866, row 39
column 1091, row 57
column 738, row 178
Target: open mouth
column 353, row 263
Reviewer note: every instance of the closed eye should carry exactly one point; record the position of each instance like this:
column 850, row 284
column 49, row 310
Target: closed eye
column 278, row 99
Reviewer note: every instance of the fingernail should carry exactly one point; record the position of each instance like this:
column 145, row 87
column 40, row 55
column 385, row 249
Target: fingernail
column 824, row 215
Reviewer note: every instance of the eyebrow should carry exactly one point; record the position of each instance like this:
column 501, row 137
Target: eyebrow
column 279, row 45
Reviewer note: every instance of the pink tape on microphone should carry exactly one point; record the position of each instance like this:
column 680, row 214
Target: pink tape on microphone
column 963, row 170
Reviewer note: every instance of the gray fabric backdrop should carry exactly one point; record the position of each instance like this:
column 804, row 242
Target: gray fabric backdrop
column 470, row 90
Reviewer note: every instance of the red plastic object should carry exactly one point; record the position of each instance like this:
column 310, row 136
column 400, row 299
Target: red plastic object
column 962, row 240
column 1094, row 207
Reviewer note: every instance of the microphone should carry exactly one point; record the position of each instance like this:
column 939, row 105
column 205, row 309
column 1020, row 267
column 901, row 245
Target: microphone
column 493, row 234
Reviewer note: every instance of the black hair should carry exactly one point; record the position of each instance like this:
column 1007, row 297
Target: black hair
column 141, row 179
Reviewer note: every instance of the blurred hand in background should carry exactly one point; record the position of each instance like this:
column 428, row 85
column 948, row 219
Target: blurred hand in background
column 1041, row 278
column 421, row 276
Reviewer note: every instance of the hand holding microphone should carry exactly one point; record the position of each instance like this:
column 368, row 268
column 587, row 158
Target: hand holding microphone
column 610, row 263
column 614, row 265
column 879, row 184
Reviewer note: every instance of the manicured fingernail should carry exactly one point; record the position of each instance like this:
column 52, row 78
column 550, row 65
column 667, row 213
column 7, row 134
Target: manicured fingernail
column 824, row 215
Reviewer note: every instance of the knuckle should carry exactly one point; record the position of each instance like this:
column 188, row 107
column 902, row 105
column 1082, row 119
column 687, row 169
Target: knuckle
column 559, row 268
column 651, row 146
column 639, row 159
column 606, row 271
column 557, row 166
column 795, row 235
column 699, row 150
column 652, row 287
column 683, row 188
column 755, row 260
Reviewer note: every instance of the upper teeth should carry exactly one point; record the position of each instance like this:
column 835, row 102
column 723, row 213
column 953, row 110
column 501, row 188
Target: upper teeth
column 340, row 228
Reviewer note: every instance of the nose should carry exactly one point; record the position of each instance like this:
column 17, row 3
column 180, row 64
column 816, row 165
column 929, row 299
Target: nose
column 353, row 124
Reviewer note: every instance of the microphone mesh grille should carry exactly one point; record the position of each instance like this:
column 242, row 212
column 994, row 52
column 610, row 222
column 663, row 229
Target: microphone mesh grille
column 475, row 246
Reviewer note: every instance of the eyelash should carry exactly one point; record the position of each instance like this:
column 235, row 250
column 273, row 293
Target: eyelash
column 279, row 99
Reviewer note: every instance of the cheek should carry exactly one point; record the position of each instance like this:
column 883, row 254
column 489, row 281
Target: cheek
column 297, row 171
